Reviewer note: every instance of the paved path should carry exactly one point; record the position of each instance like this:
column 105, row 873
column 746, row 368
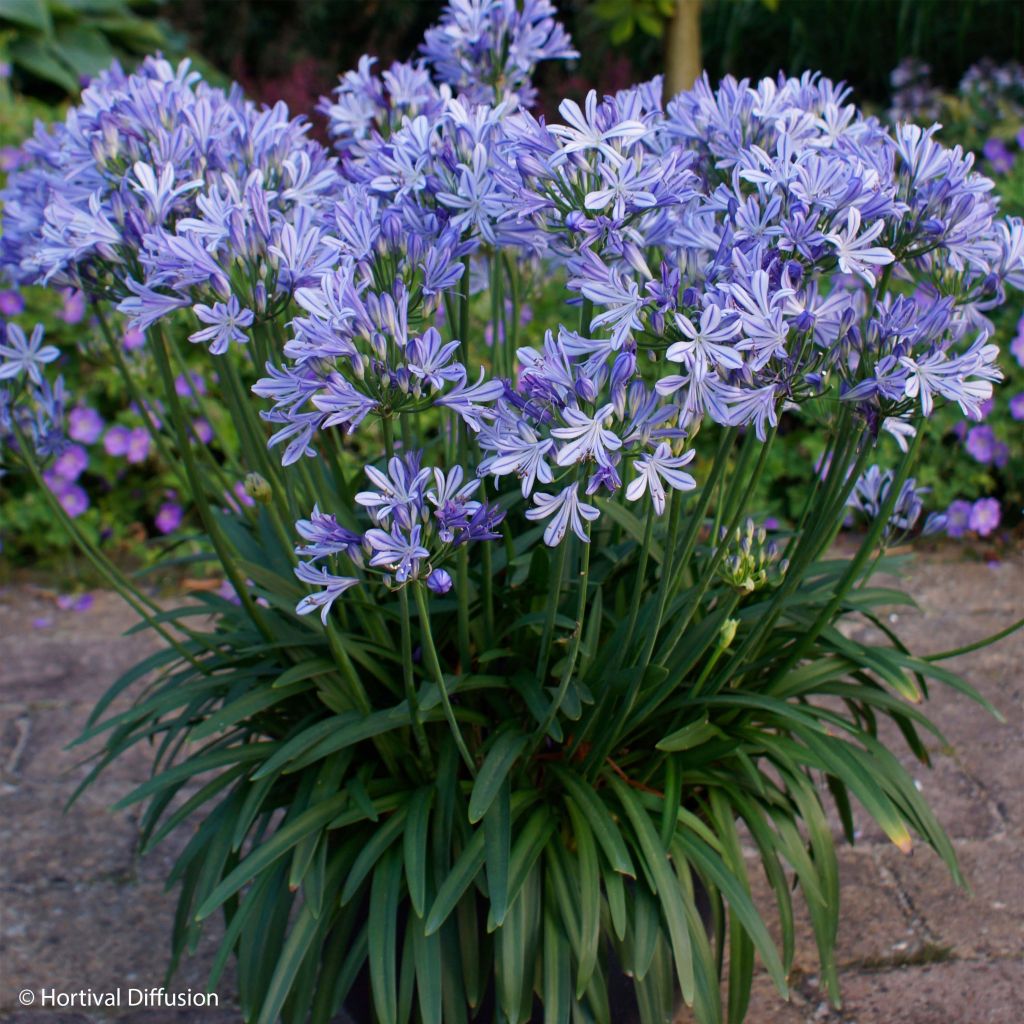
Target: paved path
column 78, row 909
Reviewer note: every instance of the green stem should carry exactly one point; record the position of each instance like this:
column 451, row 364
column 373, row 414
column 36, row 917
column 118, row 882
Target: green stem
column 430, row 653
column 638, row 587
column 410, row 682
column 577, row 639
column 198, row 487
column 554, row 595
column 133, row 392
column 864, row 552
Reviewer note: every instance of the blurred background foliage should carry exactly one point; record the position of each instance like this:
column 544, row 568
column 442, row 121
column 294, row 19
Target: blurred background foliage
column 294, row 49
column 52, row 46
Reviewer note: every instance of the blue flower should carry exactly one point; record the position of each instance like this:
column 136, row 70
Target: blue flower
column 855, row 252
column 439, row 581
column 20, row 355
column 568, row 511
column 587, row 436
column 226, row 320
column 397, row 552
column 333, row 588
column 657, row 467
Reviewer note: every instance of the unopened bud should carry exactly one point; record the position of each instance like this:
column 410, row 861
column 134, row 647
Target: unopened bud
column 727, row 633
column 257, row 488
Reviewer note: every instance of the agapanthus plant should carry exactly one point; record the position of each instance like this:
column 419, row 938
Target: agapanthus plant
column 506, row 661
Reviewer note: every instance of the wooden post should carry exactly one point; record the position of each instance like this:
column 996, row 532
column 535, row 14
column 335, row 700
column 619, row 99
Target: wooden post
column 682, row 48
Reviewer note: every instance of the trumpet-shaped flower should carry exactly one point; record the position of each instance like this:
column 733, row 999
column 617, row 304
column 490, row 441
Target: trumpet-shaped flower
column 568, row 512
column 657, row 469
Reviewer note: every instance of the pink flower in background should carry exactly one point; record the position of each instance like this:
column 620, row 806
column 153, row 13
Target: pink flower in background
column 73, row 498
column 75, row 602
column 11, row 158
column 193, row 384
column 116, row 439
column 73, row 310
column 981, row 444
column 137, row 449
column 998, row 156
column 84, row 424
column 203, row 431
column 71, row 463
column 169, row 517
column 958, row 518
column 133, row 338
column 11, row 303
column 985, row 516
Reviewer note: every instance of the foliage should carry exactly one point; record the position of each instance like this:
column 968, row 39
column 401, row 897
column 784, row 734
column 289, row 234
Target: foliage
column 63, row 42
column 507, row 666
column 624, row 18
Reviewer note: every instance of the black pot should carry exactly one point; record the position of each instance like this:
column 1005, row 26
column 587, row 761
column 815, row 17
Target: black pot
column 621, row 991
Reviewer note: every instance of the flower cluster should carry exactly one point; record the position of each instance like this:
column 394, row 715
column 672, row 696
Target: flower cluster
column 753, row 561
column 870, row 495
column 420, row 516
column 732, row 254
column 159, row 189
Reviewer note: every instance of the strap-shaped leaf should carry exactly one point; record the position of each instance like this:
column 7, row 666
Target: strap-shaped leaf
column 502, row 755
column 382, row 928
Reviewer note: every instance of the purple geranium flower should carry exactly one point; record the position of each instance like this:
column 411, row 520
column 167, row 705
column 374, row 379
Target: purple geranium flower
column 71, row 463
column 84, row 424
column 985, row 516
column 997, row 154
column 958, row 518
column 981, row 444
column 1017, row 406
column 137, row 449
column 116, row 440
column 169, row 517
column 133, row 339
column 1017, row 345
column 73, row 310
column 73, row 498
column 11, row 303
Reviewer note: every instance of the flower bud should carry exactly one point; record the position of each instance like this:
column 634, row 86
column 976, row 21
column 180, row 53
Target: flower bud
column 257, row 488
column 727, row 633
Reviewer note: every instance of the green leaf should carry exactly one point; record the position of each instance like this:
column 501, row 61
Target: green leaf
column 494, row 771
column 498, row 851
column 30, row 13
column 273, row 849
column 381, row 840
column 465, row 869
column 382, row 936
column 590, row 894
column 416, row 851
column 305, row 931
column 40, row 59
column 557, row 993
column 601, row 822
column 668, row 887
column 426, row 950
column 690, row 736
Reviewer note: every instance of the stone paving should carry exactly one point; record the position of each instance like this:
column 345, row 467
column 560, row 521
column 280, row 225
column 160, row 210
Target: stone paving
column 79, row 909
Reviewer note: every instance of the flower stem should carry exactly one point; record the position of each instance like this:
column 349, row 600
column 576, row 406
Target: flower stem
column 574, row 650
column 430, row 653
column 410, row 682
